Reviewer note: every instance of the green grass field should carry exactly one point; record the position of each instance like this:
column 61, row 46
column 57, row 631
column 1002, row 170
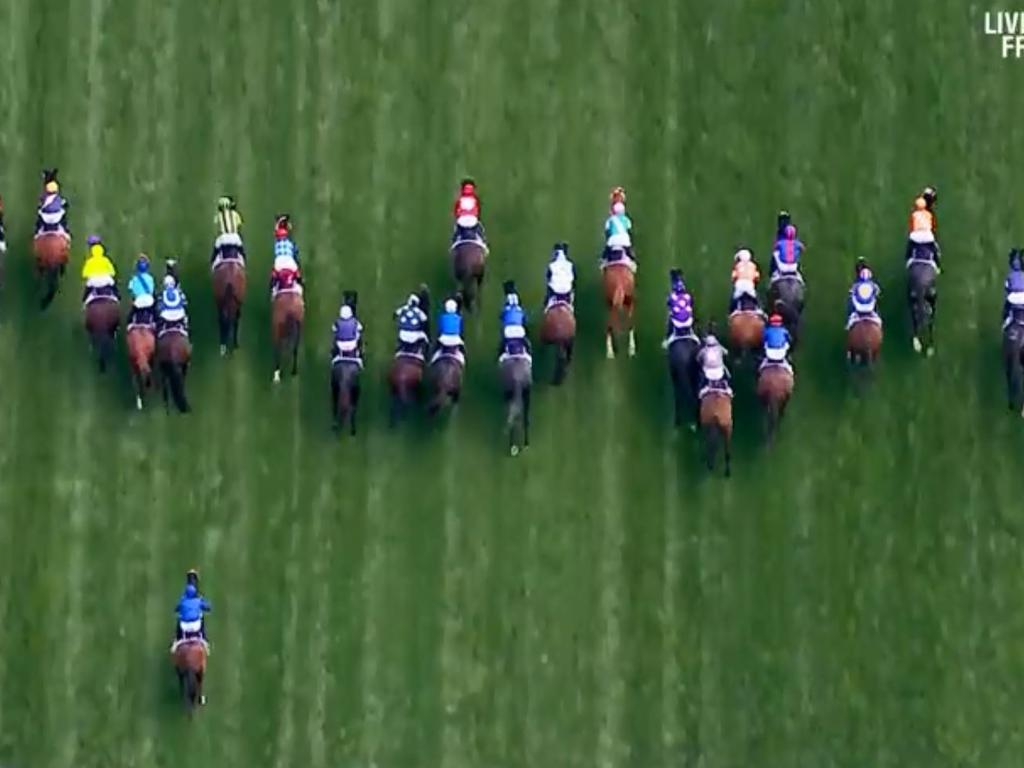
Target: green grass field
column 416, row 598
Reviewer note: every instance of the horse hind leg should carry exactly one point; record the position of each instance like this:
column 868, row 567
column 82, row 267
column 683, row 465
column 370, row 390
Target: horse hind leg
column 727, row 451
column 526, row 417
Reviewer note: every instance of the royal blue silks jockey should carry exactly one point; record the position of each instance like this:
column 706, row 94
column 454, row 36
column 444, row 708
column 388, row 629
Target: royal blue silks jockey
column 514, row 339
column 449, row 333
column 52, row 215
column 1013, row 305
column 561, row 277
column 412, row 328
column 172, row 307
column 714, row 374
column 191, row 610
column 348, row 335
column 142, row 288
column 786, row 255
column 776, row 344
column 680, row 310
column 863, row 301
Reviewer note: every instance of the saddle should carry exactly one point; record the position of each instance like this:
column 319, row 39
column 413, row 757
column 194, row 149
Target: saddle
column 105, row 293
column 684, row 336
column 450, row 353
column 175, row 326
column 720, row 387
column 411, row 351
column 464, row 235
column 347, row 357
column 557, row 300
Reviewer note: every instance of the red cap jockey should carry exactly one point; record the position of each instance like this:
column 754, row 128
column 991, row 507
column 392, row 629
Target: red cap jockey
column 282, row 227
column 467, row 204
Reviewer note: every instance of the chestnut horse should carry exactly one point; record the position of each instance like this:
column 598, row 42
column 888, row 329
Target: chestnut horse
column 141, row 341
column 746, row 332
column 716, row 424
column 774, row 388
column 405, row 379
column 864, row 343
column 288, row 313
column 619, row 287
column 190, row 664
column 559, row 331
column 51, row 250
column 228, row 293
column 102, row 317
column 468, row 260
column 173, row 353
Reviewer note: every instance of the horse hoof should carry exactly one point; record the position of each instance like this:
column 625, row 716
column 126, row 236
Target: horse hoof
column 138, row 403
column 931, row 351
column 917, row 344
column 223, row 350
column 277, row 377
column 514, row 450
column 202, row 701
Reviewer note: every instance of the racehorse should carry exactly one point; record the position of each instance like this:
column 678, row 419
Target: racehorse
column 619, row 288
column 786, row 296
column 228, row 293
column 345, row 392
column 774, row 388
column 683, row 369
column 405, row 378
column 716, row 424
column 51, row 249
column 864, row 343
column 102, row 317
column 288, row 313
column 445, row 383
column 190, row 664
column 746, row 331
column 468, row 258
column 141, row 348
column 516, row 380
column 173, row 352
column 1013, row 363
column 921, row 296
column 559, row 330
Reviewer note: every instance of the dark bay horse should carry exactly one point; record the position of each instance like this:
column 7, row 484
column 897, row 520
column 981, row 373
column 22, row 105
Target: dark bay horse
column 173, row 353
column 141, row 341
column 619, row 295
column 102, row 317
column 685, row 374
column 229, row 286
column 922, row 296
column 516, row 381
column 774, row 388
column 51, row 250
column 468, row 261
column 445, row 383
column 716, row 425
column 864, row 343
column 786, row 296
column 288, row 312
column 405, row 379
column 190, row 665
column 1013, row 363
column 345, row 391
column 559, row 330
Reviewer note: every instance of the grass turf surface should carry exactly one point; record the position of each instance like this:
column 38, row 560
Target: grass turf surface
column 415, row 598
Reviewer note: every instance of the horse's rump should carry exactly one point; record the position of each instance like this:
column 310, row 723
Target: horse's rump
column 619, row 283
column 716, row 408
column 746, row 329
column 51, row 250
column 173, row 348
column 406, row 372
column 774, row 383
column 865, row 336
column 141, row 347
column 229, row 280
column 516, row 372
column 446, row 371
column 468, row 260
column 102, row 315
column 190, row 656
column 921, row 277
column 559, row 325
column 288, row 307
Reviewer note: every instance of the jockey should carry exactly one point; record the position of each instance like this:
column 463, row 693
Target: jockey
column 776, row 344
column 229, row 226
column 714, row 373
column 514, row 339
column 786, row 255
column 3, row 233
column 142, row 287
column 745, row 275
column 1013, row 305
column 467, row 213
column 348, row 333
column 617, row 228
column 449, row 332
column 561, row 277
column 922, row 226
column 172, row 306
column 864, row 295
column 52, row 215
column 412, row 324
column 680, row 310
column 286, row 255
column 98, row 272
column 191, row 610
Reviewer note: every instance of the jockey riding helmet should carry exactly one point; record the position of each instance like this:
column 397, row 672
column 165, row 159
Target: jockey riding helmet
column 468, row 187
column 52, row 188
column 223, row 203
column 169, row 282
column 413, row 300
column 190, row 590
column 93, row 240
column 775, row 320
column 142, row 264
column 744, row 254
column 618, row 208
column 451, row 306
column 920, row 203
column 345, row 313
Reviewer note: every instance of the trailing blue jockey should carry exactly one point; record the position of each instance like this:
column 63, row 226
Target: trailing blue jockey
column 776, row 344
column 714, row 374
column 449, row 333
column 514, row 341
column 412, row 328
column 172, row 315
column 348, row 333
column 1013, row 305
column 191, row 610
column 864, row 294
column 142, row 288
column 560, row 278
column 52, row 215
column 680, row 310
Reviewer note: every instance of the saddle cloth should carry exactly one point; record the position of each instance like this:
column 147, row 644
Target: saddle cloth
column 617, row 256
column 505, row 357
column 714, row 389
column 341, row 358
column 454, row 354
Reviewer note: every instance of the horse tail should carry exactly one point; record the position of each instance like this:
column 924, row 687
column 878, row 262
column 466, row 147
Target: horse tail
column 343, row 401
column 291, row 329
column 176, row 377
column 104, row 348
column 619, row 296
column 230, row 298
column 191, row 687
column 515, row 405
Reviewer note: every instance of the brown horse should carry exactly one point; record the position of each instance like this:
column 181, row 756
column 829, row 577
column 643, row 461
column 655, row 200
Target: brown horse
column 345, row 391
column 288, row 313
column 619, row 287
column 468, row 260
column 516, row 381
column 774, row 388
column 190, row 664
column 864, row 343
column 51, row 251
column 445, row 383
column 746, row 332
column 228, row 293
column 716, row 424
column 102, row 317
column 559, row 331
column 173, row 353
column 405, row 378
column 141, row 342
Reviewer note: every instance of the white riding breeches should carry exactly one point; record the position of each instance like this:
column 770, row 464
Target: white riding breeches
column 1015, row 299
column 620, row 240
column 467, row 221
column 52, row 218
column 449, row 341
column 744, row 288
column 348, row 346
column 190, row 627
column 99, row 281
column 714, row 373
column 412, row 337
column 172, row 315
column 776, row 354
column 513, row 332
column 922, row 236
column 145, row 301
column 228, row 238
